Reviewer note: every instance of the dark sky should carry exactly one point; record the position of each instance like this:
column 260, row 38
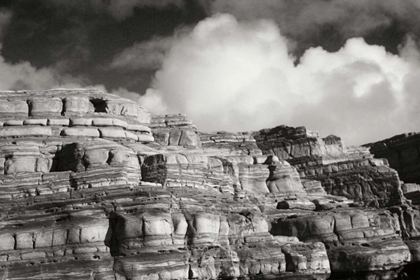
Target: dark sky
column 82, row 37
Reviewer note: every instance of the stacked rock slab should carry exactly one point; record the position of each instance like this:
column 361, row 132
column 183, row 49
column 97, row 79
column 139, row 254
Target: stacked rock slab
column 93, row 187
column 349, row 172
column 73, row 113
column 85, row 193
column 402, row 153
column 355, row 174
column 61, row 152
column 228, row 143
column 324, row 166
column 175, row 130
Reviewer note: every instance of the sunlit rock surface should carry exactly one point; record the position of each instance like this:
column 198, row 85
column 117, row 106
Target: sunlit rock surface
column 94, row 187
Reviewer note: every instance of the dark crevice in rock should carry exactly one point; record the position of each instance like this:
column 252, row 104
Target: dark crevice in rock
column 99, row 105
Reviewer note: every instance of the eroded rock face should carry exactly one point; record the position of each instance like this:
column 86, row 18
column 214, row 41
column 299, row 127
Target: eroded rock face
column 75, row 113
column 402, row 153
column 175, row 130
column 356, row 240
column 93, row 187
column 349, row 172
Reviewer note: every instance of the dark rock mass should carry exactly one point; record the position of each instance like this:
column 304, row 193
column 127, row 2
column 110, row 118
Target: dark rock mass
column 402, row 152
column 92, row 186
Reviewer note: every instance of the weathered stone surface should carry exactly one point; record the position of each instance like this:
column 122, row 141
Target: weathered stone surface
column 20, row 131
column 58, row 122
column 41, row 107
column 348, row 172
column 89, row 191
column 81, row 132
column 175, row 130
column 402, row 153
column 42, row 122
column 13, row 108
column 77, row 105
column 227, row 143
column 361, row 240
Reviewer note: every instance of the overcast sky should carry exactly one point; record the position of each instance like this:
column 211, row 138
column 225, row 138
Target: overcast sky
column 343, row 67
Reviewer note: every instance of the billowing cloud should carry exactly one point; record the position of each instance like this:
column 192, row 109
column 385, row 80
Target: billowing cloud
column 143, row 55
column 409, row 49
column 230, row 75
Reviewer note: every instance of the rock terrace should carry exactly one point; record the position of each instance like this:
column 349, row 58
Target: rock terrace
column 92, row 186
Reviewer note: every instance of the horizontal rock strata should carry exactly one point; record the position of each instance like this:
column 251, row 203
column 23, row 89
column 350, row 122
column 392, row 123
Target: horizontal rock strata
column 175, row 130
column 93, row 187
column 350, row 172
column 76, row 113
column 401, row 151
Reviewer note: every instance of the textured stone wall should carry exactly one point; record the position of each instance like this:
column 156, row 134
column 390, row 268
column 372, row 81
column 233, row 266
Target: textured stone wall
column 94, row 187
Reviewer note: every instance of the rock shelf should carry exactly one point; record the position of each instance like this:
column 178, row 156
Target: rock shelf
column 92, row 186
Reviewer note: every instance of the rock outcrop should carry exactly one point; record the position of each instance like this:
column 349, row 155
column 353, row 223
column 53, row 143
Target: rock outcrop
column 175, row 130
column 402, row 153
column 94, row 187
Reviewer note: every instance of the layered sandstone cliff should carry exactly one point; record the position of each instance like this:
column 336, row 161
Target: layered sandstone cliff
column 94, row 187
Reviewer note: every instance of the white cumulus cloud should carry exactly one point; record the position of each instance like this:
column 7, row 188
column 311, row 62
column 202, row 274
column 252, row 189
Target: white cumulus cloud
column 231, row 75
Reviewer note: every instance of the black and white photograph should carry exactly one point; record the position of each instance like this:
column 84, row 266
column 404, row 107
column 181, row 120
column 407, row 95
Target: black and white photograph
column 210, row 139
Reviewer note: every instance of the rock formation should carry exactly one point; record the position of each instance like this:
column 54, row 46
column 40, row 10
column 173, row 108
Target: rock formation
column 92, row 186
column 402, row 153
